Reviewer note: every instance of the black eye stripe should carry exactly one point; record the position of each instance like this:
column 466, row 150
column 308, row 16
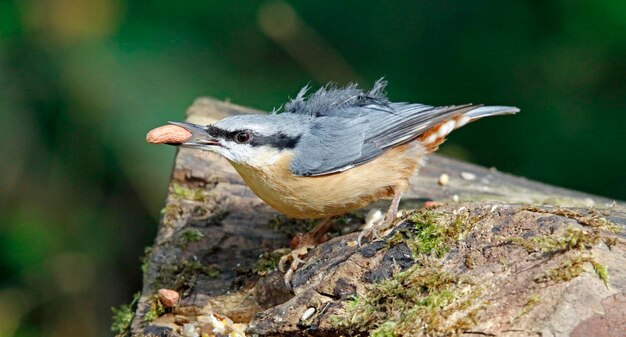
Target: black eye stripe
column 220, row 133
column 279, row 141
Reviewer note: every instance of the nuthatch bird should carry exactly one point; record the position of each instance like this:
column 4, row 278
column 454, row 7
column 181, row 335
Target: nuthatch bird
column 334, row 151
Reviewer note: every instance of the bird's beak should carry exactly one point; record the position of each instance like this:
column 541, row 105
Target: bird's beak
column 199, row 136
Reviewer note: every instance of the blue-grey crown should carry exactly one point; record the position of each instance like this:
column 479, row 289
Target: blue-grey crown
column 330, row 98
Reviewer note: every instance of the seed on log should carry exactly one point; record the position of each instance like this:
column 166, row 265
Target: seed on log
column 168, row 297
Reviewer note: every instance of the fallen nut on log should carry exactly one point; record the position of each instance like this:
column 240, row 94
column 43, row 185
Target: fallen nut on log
column 168, row 297
column 168, row 134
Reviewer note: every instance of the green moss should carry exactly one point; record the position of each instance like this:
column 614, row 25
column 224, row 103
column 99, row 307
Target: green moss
column 216, row 217
column 156, row 309
column 504, row 263
column 430, row 236
column 181, row 191
column 572, row 239
column 171, row 210
column 422, row 300
column 569, row 269
column 609, row 242
column 592, row 218
column 268, row 262
column 190, row 235
column 123, row 316
column 532, row 301
column 182, row 276
column 386, row 329
column 601, row 271
column 529, row 244
column 197, row 267
column 398, row 237
column 170, row 213
column 470, row 259
column 145, row 260
column 572, row 268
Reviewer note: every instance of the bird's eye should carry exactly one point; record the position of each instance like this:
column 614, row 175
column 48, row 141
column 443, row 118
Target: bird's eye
column 243, row 137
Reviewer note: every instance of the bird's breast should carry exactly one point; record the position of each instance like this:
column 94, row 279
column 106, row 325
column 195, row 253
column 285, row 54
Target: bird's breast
column 332, row 194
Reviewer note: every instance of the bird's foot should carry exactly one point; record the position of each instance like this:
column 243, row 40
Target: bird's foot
column 373, row 222
column 376, row 226
column 300, row 245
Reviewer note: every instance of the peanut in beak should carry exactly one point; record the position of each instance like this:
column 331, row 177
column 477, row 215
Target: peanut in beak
column 168, row 134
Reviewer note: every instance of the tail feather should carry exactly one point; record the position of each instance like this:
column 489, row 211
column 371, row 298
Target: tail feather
column 487, row 111
column 433, row 137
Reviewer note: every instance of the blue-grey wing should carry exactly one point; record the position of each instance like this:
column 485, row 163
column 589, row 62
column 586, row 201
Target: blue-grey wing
column 410, row 121
column 354, row 136
column 333, row 144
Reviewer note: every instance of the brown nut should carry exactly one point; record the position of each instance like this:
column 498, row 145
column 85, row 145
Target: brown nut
column 168, row 134
column 168, row 297
column 432, row 204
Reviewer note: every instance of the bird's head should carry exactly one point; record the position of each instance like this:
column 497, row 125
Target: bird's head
column 251, row 140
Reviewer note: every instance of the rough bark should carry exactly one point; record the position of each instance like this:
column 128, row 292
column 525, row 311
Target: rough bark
column 501, row 266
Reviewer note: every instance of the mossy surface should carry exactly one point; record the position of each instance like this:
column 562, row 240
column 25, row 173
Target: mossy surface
column 156, row 309
column 531, row 303
column 170, row 213
column 145, row 259
column 123, row 316
column 188, row 193
column 428, row 235
column 182, row 276
column 422, row 300
column 268, row 262
column 427, row 300
column 567, row 270
column 575, row 244
column 572, row 239
column 189, row 235
column 591, row 218
column 185, row 199
column 601, row 271
column 573, row 267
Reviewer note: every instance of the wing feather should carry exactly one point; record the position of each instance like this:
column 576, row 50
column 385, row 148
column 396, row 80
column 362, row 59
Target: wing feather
column 338, row 142
column 350, row 127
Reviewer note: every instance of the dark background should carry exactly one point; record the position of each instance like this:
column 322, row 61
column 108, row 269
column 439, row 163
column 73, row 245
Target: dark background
column 82, row 81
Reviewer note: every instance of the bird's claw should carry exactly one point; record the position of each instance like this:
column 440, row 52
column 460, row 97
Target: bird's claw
column 294, row 256
column 368, row 233
column 373, row 220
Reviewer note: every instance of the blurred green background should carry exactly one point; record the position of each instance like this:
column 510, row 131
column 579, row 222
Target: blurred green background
column 81, row 81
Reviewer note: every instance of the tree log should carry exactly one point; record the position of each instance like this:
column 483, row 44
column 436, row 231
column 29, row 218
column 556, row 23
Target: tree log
column 493, row 255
